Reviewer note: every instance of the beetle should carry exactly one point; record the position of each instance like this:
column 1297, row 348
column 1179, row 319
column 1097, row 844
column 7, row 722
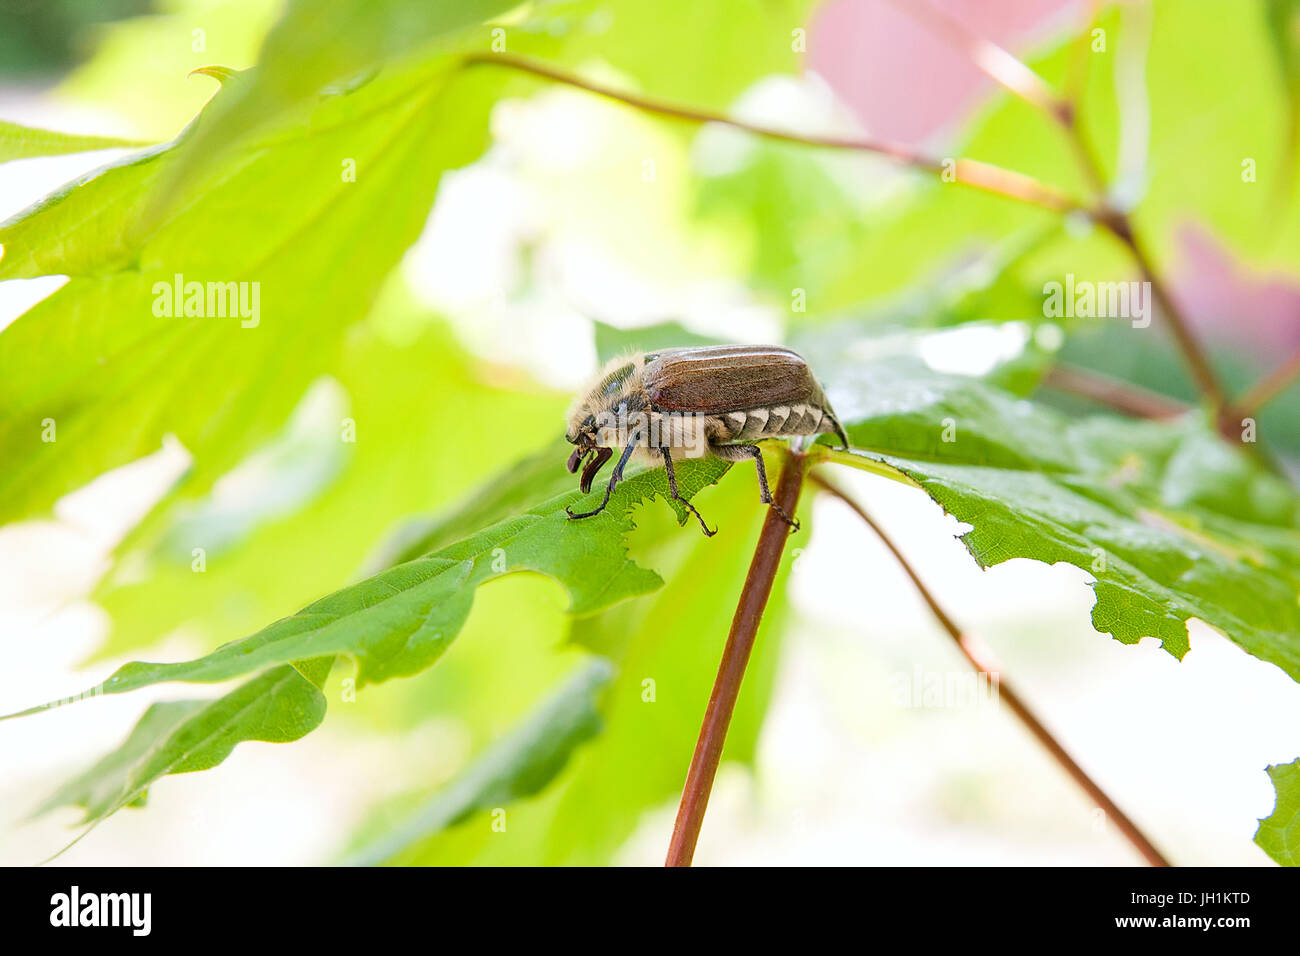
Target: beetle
column 694, row 402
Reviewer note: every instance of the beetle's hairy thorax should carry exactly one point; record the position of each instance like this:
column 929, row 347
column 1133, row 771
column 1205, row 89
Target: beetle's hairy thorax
column 619, row 385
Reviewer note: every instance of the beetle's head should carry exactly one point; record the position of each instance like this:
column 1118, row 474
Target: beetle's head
column 600, row 407
column 583, row 438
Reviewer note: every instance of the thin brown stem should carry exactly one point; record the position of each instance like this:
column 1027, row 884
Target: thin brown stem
column 1000, row 65
column 1120, row 223
column 968, row 172
column 735, row 656
column 1088, row 163
column 1014, row 75
column 1070, row 119
column 1022, row 81
column 1077, row 76
column 1271, row 386
column 1113, row 392
column 982, row 659
column 1198, row 361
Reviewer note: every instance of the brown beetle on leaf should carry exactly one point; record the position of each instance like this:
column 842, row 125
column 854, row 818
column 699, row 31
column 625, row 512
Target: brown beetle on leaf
column 692, row 403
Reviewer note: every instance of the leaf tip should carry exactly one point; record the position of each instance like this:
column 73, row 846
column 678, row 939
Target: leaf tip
column 219, row 73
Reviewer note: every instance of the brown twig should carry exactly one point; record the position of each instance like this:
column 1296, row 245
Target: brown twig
column 1113, row 392
column 968, row 172
column 981, row 658
column 1000, row 65
column 1268, row 388
column 1009, row 72
column 1077, row 73
column 1121, row 226
column 735, row 656
column 1193, row 353
column 1023, row 82
column 1144, row 403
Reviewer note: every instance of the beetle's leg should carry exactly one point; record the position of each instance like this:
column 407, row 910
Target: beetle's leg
column 741, row 452
column 672, row 489
column 614, row 479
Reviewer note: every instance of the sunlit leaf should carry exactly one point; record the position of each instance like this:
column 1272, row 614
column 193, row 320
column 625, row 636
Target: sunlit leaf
column 330, row 46
column 1170, row 521
column 286, row 547
column 1279, row 832
column 519, row 765
column 113, row 376
column 24, row 142
column 400, row 621
column 666, row 646
column 1284, row 31
column 278, row 706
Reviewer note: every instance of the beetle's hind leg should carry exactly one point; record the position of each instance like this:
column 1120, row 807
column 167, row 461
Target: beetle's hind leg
column 740, row 453
column 672, row 490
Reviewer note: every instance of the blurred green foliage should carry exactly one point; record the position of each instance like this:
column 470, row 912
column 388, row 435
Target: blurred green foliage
column 40, row 38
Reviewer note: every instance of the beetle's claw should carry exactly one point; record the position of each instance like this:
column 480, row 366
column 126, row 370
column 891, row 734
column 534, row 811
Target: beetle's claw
column 792, row 522
column 698, row 517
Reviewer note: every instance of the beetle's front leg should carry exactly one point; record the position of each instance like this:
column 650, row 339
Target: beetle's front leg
column 614, row 479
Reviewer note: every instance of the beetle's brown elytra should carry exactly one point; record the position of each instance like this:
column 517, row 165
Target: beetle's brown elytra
column 693, row 402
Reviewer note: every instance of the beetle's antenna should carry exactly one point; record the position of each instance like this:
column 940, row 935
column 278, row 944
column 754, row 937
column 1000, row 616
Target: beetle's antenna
column 603, row 455
column 597, row 462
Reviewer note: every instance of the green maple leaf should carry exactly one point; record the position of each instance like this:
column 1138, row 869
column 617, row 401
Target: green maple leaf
column 1279, row 832
column 1170, row 521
